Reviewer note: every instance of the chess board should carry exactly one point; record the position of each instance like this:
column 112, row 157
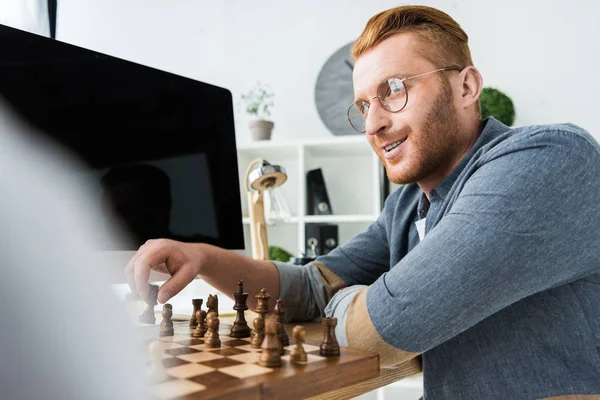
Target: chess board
column 232, row 371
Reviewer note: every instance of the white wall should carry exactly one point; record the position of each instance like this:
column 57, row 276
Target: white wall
column 544, row 54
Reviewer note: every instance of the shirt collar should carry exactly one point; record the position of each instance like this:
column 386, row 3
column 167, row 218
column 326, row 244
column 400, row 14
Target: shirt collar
column 492, row 129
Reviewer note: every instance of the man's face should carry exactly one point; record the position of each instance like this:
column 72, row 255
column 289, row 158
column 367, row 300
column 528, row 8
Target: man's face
column 428, row 126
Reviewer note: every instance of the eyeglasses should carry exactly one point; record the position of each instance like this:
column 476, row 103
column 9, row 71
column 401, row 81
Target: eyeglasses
column 392, row 95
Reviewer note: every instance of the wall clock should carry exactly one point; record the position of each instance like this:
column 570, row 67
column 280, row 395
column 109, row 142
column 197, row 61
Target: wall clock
column 334, row 91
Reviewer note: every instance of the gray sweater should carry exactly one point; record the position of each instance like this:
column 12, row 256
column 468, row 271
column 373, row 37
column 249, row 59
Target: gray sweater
column 501, row 295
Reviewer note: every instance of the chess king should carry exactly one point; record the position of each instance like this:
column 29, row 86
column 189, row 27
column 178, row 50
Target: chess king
column 491, row 231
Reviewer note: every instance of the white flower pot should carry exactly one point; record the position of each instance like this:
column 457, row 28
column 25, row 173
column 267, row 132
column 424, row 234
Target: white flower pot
column 261, row 129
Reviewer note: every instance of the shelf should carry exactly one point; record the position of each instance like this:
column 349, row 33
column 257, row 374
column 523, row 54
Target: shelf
column 328, row 218
column 340, row 218
column 293, row 220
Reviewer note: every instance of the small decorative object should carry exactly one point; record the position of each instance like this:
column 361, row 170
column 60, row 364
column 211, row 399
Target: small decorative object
column 259, row 102
column 265, row 203
column 277, row 253
column 497, row 104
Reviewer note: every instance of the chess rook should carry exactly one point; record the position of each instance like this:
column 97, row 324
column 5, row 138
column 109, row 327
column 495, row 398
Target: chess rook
column 329, row 346
column 240, row 328
column 197, row 304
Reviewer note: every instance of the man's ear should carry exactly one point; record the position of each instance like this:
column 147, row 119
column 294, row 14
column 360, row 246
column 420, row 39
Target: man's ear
column 472, row 84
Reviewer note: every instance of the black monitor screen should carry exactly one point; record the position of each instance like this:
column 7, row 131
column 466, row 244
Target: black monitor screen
column 159, row 148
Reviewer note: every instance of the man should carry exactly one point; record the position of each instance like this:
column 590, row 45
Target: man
column 485, row 262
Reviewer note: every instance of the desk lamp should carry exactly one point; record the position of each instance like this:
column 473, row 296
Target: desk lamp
column 262, row 180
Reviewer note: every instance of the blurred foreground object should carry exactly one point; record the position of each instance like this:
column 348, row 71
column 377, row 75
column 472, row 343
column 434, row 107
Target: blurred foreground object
column 64, row 334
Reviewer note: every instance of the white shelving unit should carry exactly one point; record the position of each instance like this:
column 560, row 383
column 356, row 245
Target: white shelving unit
column 351, row 171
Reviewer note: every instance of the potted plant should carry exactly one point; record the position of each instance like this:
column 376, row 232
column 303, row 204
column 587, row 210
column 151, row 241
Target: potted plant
column 497, row 104
column 259, row 102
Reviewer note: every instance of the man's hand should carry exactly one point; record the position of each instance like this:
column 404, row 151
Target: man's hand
column 182, row 261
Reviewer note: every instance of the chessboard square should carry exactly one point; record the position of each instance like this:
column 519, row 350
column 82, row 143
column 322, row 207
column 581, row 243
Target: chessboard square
column 233, row 342
column 310, row 358
column 224, row 351
column 248, row 347
column 244, row 371
column 174, row 338
column 172, row 345
column 180, row 351
column 216, row 379
column 200, row 356
column 307, row 347
column 251, row 357
column 189, row 370
column 176, row 388
column 173, row 362
column 221, row 363
column 190, row 342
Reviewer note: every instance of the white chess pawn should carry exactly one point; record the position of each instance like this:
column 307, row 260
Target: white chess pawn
column 157, row 371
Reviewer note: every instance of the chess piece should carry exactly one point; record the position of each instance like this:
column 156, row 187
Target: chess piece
column 262, row 303
column 197, row 304
column 201, row 327
column 157, row 371
column 166, row 325
column 258, row 333
column 270, row 355
column 240, row 328
column 298, row 354
column 148, row 316
column 211, row 338
column 280, row 312
column 212, row 303
column 329, row 346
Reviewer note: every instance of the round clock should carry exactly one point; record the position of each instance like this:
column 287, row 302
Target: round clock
column 334, row 92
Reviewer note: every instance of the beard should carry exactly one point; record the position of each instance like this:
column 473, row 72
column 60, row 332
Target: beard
column 434, row 147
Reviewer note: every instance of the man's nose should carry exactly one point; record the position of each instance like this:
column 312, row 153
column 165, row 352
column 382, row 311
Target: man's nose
column 378, row 119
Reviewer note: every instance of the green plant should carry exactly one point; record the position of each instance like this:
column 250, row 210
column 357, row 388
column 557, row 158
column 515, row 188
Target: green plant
column 278, row 254
column 497, row 104
column 259, row 100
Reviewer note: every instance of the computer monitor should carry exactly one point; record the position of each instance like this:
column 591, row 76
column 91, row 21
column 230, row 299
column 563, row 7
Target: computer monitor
column 159, row 149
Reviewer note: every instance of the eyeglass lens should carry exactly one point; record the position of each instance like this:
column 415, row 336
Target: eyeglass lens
column 392, row 97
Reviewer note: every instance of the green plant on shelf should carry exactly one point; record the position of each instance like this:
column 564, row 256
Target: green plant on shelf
column 497, row 104
column 259, row 101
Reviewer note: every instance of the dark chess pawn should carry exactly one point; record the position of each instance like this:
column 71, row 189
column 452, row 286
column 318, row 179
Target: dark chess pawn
column 258, row 333
column 240, row 328
column 166, row 325
column 148, row 316
column 298, row 354
column 270, row 355
column 329, row 346
column 211, row 338
column 281, row 333
column 197, row 304
column 201, row 327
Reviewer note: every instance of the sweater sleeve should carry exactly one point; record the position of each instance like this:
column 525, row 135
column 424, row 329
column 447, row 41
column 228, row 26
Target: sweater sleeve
column 524, row 222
